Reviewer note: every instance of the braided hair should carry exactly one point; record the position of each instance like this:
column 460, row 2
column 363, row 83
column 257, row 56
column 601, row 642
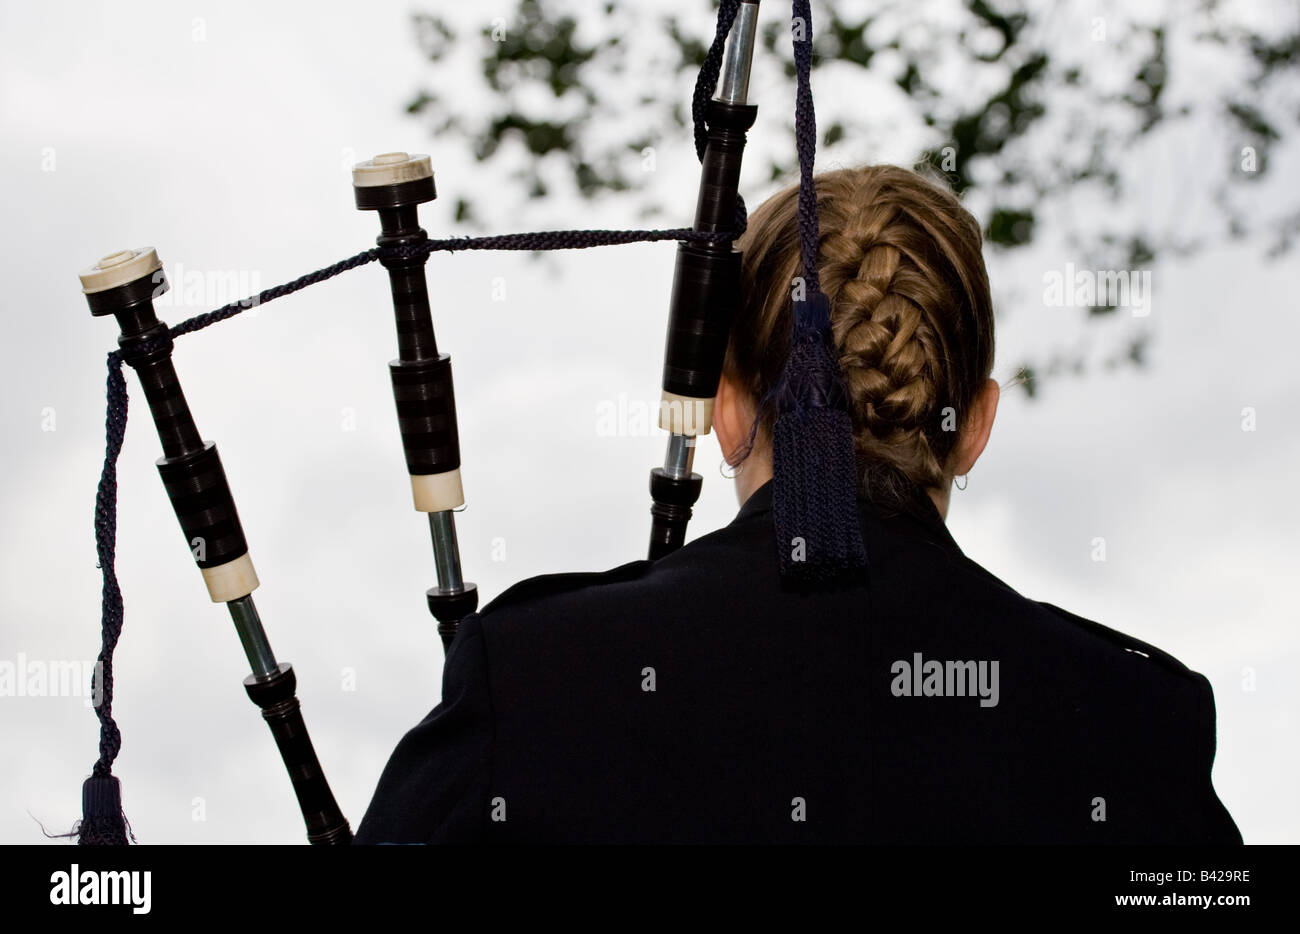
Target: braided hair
column 911, row 316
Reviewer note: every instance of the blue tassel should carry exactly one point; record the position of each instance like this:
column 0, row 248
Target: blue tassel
column 102, row 820
column 815, row 487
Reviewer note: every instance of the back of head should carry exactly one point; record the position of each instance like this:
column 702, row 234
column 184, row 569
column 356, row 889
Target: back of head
column 912, row 319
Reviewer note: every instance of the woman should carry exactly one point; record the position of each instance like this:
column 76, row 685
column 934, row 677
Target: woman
column 698, row 699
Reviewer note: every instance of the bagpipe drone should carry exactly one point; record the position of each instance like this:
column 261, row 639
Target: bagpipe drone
column 811, row 437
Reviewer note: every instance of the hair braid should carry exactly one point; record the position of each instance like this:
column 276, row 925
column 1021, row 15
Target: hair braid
column 889, row 353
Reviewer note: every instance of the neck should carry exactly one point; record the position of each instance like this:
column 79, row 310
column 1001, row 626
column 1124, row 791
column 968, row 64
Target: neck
column 757, row 470
column 754, row 471
column 941, row 499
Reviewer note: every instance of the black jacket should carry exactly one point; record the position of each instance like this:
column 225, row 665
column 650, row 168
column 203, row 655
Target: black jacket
column 694, row 699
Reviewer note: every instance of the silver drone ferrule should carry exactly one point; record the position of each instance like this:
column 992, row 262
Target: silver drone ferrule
column 680, row 457
column 253, row 637
column 446, row 553
column 733, row 80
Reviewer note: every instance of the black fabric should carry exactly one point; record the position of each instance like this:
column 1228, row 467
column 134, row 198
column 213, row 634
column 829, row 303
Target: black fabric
column 765, row 698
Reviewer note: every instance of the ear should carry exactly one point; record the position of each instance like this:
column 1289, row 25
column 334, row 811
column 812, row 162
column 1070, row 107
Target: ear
column 731, row 419
column 978, row 426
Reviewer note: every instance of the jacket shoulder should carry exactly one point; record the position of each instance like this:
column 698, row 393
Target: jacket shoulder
column 1096, row 631
column 547, row 585
column 1126, row 643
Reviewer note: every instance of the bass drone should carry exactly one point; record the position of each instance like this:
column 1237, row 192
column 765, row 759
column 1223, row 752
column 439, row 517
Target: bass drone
column 702, row 305
column 123, row 285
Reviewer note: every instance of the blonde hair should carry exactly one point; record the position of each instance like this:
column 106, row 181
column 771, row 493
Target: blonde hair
column 912, row 318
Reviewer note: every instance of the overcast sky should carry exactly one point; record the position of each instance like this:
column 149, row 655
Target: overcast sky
column 222, row 135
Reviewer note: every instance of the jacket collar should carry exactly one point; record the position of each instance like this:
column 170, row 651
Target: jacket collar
column 922, row 515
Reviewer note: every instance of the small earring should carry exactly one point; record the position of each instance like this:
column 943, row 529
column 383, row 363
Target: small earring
column 960, row 486
column 728, row 476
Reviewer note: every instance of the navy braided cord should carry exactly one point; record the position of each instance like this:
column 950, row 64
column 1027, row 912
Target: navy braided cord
column 814, row 465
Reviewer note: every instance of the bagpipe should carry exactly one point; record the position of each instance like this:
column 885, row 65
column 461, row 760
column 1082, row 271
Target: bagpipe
column 704, row 297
